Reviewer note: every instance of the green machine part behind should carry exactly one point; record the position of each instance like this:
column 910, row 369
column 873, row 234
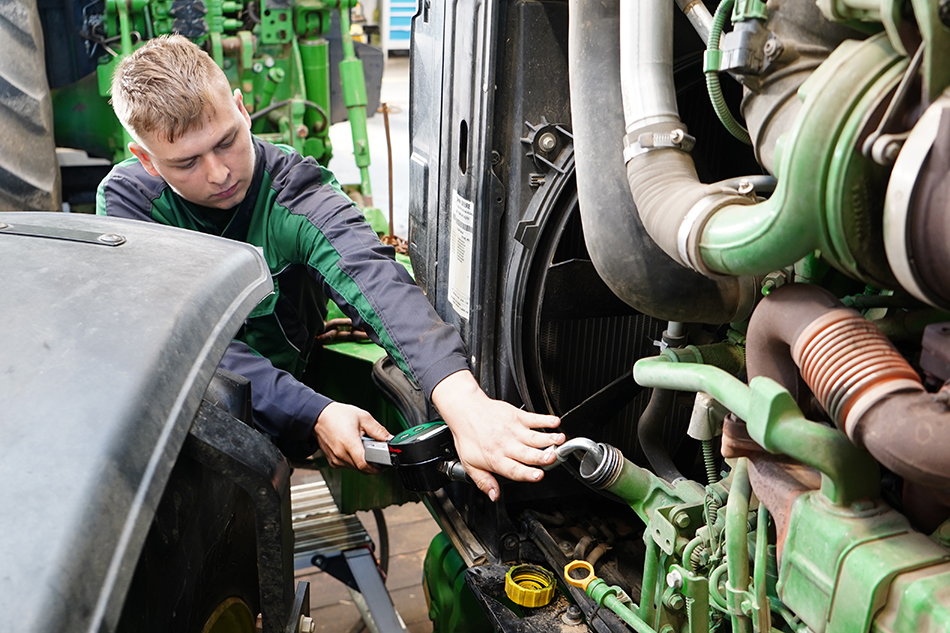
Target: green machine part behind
column 274, row 51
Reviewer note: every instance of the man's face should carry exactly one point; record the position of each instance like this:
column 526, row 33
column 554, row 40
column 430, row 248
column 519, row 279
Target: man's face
column 212, row 165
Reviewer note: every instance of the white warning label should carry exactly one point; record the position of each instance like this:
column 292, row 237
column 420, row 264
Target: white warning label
column 460, row 256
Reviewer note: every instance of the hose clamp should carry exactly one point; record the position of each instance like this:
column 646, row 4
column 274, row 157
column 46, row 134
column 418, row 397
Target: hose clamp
column 649, row 141
column 691, row 228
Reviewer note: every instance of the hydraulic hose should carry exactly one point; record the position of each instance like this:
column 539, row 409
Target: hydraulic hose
column 737, row 550
column 861, row 380
column 632, row 265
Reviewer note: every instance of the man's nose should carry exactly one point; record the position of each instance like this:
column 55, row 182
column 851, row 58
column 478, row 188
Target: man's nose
column 217, row 171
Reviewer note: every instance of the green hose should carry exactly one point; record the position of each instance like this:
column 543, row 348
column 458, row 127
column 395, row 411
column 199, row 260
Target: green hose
column 711, row 68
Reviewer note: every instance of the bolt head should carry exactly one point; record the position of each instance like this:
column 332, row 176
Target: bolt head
column 112, row 239
column 745, row 187
column 572, row 616
column 258, row 67
column 547, row 141
column 677, row 136
column 681, row 519
column 674, row 580
column 306, row 625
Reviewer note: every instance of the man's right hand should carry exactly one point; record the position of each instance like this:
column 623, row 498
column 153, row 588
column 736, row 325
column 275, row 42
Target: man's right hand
column 340, row 428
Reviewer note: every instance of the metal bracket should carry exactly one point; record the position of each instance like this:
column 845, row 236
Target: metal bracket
column 59, row 233
column 357, row 569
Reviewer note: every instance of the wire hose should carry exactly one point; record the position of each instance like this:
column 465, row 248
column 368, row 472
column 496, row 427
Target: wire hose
column 709, row 458
column 712, row 75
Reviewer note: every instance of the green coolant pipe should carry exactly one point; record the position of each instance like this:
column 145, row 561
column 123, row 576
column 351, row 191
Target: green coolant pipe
column 775, row 422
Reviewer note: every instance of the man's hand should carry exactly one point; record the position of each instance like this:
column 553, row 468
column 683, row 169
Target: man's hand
column 340, row 428
column 492, row 436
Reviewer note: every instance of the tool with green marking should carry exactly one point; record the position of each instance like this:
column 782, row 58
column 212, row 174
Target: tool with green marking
column 424, row 456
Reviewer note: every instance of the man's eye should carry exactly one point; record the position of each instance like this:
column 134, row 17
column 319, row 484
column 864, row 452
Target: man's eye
column 187, row 165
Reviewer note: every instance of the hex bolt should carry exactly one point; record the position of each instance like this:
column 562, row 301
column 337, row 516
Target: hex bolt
column 675, row 601
column 573, row 616
column 566, row 548
column 773, row 48
column 306, row 625
column 547, row 141
column 891, row 150
column 674, row 579
column 680, row 519
column 510, row 542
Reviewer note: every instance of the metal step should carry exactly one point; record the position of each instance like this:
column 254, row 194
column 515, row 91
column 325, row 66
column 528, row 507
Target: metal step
column 319, row 528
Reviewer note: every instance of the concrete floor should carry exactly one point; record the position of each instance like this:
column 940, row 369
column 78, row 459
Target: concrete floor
column 395, row 92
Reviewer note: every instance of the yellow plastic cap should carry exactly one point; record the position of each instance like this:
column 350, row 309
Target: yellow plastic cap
column 529, row 585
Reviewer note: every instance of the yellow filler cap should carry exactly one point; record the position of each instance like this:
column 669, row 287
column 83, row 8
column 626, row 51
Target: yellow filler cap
column 529, row 585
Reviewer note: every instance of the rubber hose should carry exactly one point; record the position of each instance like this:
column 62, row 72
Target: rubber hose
column 623, row 253
column 650, row 434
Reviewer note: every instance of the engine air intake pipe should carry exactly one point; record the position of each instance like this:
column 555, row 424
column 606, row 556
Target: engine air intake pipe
column 715, row 229
column 622, row 251
column 861, row 380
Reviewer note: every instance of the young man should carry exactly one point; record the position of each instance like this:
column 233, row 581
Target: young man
column 197, row 166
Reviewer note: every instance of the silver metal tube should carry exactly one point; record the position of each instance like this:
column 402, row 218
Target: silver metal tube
column 577, row 444
column 698, row 15
column 646, row 63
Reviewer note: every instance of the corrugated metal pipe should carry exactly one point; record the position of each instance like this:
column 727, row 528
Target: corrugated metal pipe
column 623, row 253
column 861, row 380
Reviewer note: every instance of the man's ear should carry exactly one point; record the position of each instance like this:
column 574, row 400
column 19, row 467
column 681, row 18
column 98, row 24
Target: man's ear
column 139, row 152
column 239, row 101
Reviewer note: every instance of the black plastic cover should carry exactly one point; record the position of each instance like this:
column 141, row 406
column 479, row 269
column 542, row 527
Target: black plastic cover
column 106, row 353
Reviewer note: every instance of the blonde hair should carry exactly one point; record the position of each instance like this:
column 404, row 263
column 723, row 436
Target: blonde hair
column 165, row 88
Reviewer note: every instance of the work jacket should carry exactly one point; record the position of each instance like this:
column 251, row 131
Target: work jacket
column 318, row 246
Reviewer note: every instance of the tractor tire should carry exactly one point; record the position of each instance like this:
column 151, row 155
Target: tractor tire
column 198, row 569
column 29, row 172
